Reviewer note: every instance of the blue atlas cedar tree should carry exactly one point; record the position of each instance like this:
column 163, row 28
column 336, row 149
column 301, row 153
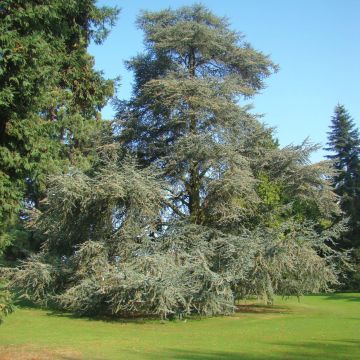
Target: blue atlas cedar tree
column 194, row 205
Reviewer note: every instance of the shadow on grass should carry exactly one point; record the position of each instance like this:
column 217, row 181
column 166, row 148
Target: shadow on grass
column 262, row 309
column 102, row 318
column 199, row 355
column 330, row 350
column 130, row 319
column 245, row 308
column 344, row 296
column 141, row 319
column 52, row 310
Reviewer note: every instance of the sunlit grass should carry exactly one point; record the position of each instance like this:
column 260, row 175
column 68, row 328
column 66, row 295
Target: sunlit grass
column 317, row 327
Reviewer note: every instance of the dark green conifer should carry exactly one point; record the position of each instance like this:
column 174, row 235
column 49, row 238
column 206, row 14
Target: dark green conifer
column 344, row 144
column 50, row 97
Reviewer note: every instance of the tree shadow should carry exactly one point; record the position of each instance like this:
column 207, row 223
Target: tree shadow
column 263, row 309
column 104, row 318
column 325, row 349
column 53, row 310
column 143, row 319
column 330, row 350
column 242, row 308
column 177, row 354
column 344, row 296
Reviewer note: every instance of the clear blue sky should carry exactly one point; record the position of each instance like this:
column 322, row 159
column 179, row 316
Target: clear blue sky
column 316, row 43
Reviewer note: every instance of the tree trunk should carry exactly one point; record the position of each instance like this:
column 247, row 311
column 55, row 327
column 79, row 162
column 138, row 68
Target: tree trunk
column 194, row 180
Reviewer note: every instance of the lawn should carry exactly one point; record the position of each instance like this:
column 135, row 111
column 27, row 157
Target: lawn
column 317, row 327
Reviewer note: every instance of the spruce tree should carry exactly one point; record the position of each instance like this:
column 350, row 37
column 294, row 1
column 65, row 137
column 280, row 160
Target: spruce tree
column 198, row 206
column 344, row 144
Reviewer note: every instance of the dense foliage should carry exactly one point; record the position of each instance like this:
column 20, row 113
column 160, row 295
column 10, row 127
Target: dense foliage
column 344, row 144
column 50, row 102
column 50, row 98
column 6, row 304
column 195, row 205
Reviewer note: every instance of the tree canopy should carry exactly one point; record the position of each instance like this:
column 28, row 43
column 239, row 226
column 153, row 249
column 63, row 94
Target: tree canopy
column 50, row 96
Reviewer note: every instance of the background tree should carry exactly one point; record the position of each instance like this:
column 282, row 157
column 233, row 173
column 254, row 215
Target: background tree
column 344, row 144
column 213, row 212
column 50, row 98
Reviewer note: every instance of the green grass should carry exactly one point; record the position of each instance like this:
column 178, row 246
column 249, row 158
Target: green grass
column 317, row 327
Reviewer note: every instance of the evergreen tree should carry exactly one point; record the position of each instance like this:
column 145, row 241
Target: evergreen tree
column 213, row 212
column 344, row 143
column 185, row 117
column 184, row 112
column 50, row 97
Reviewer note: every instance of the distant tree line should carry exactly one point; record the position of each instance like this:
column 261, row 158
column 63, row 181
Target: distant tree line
column 185, row 202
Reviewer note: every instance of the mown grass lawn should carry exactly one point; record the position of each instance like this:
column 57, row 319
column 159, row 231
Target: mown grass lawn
column 317, row 327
